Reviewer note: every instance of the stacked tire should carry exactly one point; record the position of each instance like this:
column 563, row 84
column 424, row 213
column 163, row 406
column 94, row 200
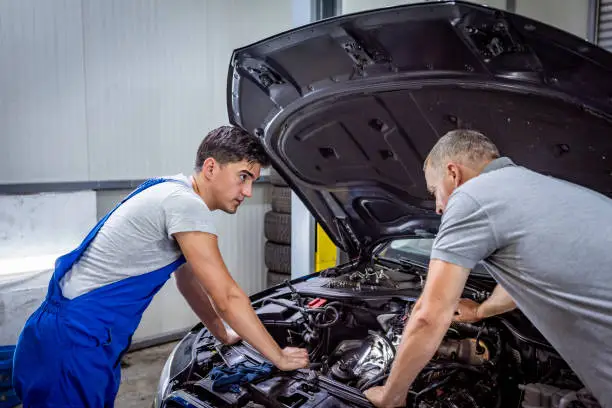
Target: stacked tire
column 277, row 230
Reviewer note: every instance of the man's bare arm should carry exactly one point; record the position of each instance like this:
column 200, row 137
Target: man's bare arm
column 499, row 302
column 200, row 303
column 428, row 322
column 233, row 305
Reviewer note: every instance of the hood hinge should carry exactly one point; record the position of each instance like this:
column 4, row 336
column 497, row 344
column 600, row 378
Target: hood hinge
column 355, row 247
column 350, row 238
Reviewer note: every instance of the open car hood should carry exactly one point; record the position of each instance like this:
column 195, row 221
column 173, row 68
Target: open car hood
column 349, row 107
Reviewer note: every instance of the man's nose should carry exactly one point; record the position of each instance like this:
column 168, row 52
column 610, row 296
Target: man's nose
column 248, row 189
column 439, row 209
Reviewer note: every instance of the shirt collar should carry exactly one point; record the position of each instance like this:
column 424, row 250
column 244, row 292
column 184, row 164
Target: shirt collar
column 497, row 164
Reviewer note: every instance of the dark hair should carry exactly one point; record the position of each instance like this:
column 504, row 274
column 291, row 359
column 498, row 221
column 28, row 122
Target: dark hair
column 229, row 144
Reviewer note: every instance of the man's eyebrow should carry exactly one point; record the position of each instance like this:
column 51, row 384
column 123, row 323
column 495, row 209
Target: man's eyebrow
column 248, row 173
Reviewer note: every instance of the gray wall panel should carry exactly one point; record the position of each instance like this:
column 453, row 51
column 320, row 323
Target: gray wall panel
column 354, row 6
column 147, row 82
column 106, row 200
column 156, row 75
column 604, row 29
column 42, row 105
column 117, row 89
column 568, row 15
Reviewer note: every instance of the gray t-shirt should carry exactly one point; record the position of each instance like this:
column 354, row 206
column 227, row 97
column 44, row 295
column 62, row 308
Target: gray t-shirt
column 137, row 237
column 548, row 242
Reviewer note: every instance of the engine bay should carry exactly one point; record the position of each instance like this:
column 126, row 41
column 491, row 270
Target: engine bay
column 352, row 344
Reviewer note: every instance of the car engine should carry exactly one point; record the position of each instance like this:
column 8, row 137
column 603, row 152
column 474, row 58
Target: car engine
column 465, row 371
column 352, row 344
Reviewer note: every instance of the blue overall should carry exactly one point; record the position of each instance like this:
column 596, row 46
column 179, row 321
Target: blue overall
column 69, row 352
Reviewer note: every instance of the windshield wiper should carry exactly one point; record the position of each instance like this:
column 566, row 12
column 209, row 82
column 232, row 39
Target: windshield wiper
column 402, row 261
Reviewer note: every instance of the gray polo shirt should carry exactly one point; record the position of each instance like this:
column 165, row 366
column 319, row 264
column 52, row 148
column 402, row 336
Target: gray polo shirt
column 549, row 244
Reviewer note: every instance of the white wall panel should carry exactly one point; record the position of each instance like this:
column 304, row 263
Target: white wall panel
column 117, row 89
column 236, row 23
column 569, row 15
column 156, row 75
column 42, row 106
column 354, row 6
column 604, row 25
column 44, row 224
column 146, row 85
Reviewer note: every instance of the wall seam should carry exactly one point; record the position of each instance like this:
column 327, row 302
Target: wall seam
column 85, row 93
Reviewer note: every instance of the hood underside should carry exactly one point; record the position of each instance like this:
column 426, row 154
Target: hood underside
column 349, row 107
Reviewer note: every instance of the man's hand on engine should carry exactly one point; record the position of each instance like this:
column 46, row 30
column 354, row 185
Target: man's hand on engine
column 293, row 359
column 467, row 311
column 231, row 337
column 499, row 302
column 379, row 398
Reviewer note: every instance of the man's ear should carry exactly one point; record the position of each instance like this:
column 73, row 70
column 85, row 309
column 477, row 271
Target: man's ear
column 209, row 167
column 454, row 171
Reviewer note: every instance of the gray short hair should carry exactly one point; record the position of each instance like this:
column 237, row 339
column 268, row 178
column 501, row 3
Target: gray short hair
column 467, row 147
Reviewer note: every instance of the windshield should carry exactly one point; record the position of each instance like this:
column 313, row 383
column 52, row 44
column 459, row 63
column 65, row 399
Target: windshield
column 413, row 249
column 417, row 251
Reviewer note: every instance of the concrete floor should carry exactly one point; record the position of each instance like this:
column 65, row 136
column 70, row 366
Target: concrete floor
column 140, row 376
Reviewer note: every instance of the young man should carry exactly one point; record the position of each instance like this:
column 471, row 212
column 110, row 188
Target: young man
column 70, row 349
column 548, row 244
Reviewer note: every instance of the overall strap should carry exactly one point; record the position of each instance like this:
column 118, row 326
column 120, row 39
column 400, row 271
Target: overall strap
column 65, row 262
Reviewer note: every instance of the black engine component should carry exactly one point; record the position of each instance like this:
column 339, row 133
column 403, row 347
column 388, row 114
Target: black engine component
column 274, row 312
column 352, row 345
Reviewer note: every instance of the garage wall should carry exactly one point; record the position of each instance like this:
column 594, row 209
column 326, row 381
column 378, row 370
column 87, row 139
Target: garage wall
column 603, row 31
column 42, row 83
column 569, row 15
column 98, row 90
column 116, row 89
column 43, row 225
column 353, row 6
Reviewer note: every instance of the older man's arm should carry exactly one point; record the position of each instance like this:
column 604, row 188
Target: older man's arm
column 499, row 302
column 428, row 322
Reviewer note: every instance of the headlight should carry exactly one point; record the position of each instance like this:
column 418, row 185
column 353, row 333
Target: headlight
column 179, row 359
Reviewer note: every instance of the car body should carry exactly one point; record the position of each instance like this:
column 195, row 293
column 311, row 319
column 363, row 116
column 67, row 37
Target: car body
column 348, row 108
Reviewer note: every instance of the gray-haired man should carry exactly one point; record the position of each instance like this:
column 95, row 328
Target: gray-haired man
column 547, row 242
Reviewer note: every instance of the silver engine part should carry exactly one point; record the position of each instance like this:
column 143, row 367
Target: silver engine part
column 362, row 360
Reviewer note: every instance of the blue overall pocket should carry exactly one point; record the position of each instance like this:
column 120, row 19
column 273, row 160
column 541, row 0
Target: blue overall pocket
column 87, row 337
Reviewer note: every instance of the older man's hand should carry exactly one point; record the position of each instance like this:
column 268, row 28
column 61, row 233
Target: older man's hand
column 467, row 311
column 380, row 399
